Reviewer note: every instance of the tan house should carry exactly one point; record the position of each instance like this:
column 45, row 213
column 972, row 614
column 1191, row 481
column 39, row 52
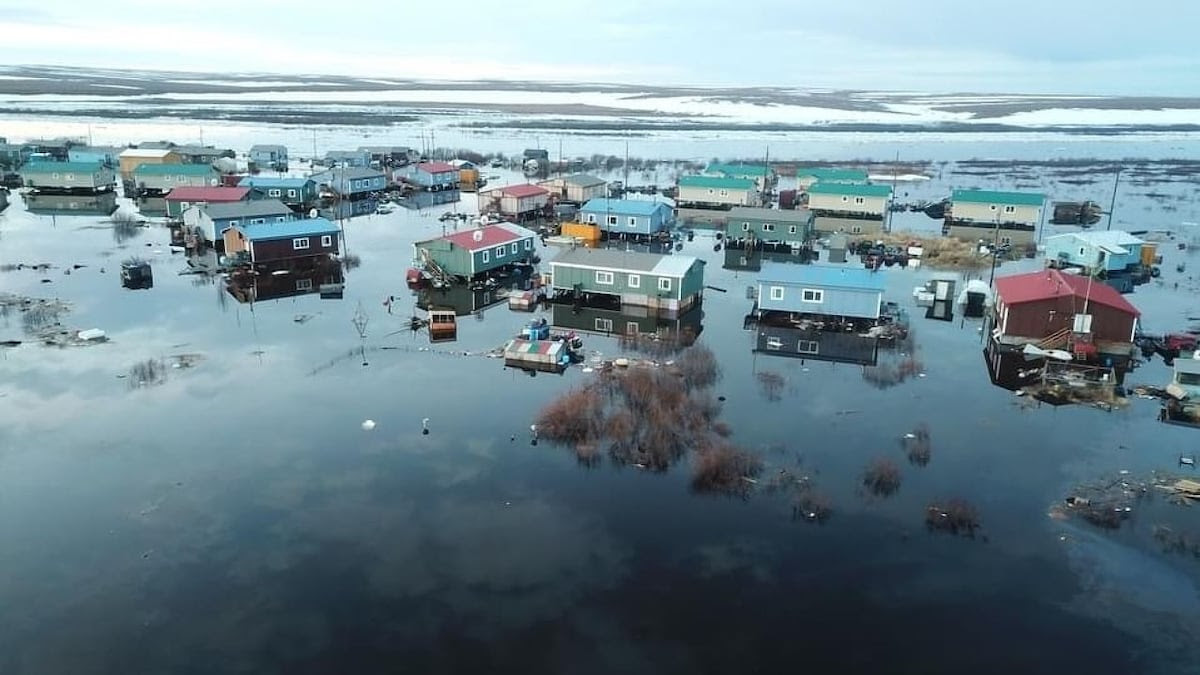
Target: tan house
column 132, row 158
column 717, row 192
column 852, row 208
column 1007, row 218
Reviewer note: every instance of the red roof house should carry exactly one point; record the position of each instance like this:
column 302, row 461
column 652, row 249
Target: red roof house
column 1031, row 307
column 181, row 198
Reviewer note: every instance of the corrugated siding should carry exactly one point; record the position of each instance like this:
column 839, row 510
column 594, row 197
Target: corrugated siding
column 567, row 277
column 836, row 301
column 969, row 233
column 871, row 205
column 1043, row 318
column 984, row 213
column 702, row 195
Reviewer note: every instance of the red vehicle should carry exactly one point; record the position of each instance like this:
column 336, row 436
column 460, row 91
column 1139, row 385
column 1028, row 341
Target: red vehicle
column 1179, row 342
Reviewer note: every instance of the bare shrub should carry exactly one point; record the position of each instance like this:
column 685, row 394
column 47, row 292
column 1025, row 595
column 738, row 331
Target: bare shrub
column 698, row 367
column 571, row 419
column 953, row 516
column 812, row 506
column 722, row 468
column 882, row 477
column 918, row 446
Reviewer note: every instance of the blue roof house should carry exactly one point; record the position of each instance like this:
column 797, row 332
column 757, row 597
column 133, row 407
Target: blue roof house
column 1100, row 251
column 297, row 193
column 846, row 292
column 627, row 216
column 273, row 242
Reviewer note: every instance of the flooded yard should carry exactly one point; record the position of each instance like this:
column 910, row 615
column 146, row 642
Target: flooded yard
column 200, row 492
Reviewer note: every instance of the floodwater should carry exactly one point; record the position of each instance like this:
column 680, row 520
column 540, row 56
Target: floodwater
column 232, row 516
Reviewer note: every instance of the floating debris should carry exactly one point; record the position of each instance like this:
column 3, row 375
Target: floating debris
column 368, row 425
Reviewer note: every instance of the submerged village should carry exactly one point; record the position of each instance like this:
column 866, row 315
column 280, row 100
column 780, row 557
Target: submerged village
column 579, row 252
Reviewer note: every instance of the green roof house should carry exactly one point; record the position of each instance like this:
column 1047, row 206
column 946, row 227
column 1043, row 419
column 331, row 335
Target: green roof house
column 68, row 177
column 717, row 192
column 852, row 208
column 1010, row 217
column 806, row 176
column 158, row 179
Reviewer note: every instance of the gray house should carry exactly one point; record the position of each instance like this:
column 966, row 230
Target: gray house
column 68, row 177
column 352, row 183
column 357, row 159
column 844, row 292
column 273, row 157
column 210, row 221
column 752, row 227
column 670, row 283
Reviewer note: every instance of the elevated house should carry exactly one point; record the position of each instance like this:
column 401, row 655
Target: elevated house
column 1010, row 218
column 477, row 251
column 268, row 156
column 755, row 227
column 617, row 279
column 98, row 204
column 630, row 321
column 202, row 154
column 267, row 243
column 131, row 158
column 1055, row 310
column 762, row 175
column 817, row 345
column 1117, row 257
column 93, row 155
column 54, row 149
column 433, row 176
column 288, row 279
column 717, row 192
column 209, row 222
column 516, row 202
column 181, row 199
column 352, row 182
column 353, row 159
column 13, row 155
column 627, row 217
column 388, row 156
column 853, row 208
column 577, row 188
column 298, row 193
column 68, row 177
column 807, row 176
column 159, row 179
column 820, row 296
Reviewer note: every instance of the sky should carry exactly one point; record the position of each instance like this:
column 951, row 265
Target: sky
column 1019, row 46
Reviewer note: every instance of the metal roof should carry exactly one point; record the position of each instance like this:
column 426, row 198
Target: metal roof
column 775, row 215
column 270, row 182
column 623, row 207
column 287, row 230
column 524, row 190
column 620, row 261
column 207, row 194
column 584, row 180
column 997, row 197
column 487, row 236
column 349, row 172
column 251, row 209
column 173, row 170
column 833, row 174
column 823, row 276
column 1049, row 284
column 852, row 189
column 267, row 147
column 719, row 182
column 146, row 153
column 1113, row 241
column 61, row 167
column 436, row 167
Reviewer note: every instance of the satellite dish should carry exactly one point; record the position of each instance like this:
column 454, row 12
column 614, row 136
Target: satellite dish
column 312, row 213
column 478, row 235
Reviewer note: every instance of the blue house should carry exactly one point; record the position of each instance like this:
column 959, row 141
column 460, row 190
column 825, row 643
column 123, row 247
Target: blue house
column 1101, row 251
column 93, row 155
column 211, row 220
column 352, row 183
column 627, row 216
column 269, row 156
column 298, row 193
column 844, row 292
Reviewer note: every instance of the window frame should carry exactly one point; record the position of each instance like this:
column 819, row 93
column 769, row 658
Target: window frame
column 604, row 278
column 634, row 281
column 603, row 325
column 815, row 296
column 664, row 284
column 484, row 257
column 808, row 347
column 775, row 292
column 326, row 240
column 296, row 241
column 304, row 284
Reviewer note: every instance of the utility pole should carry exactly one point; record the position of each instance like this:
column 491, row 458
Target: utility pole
column 1112, row 205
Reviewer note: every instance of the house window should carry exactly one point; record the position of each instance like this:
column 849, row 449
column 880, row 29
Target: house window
column 483, row 256
column 291, row 193
column 604, row 278
column 859, row 200
column 281, row 219
column 1010, row 209
column 724, row 193
column 184, row 205
column 273, row 192
column 591, row 218
column 70, row 176
column 845, row 198
column 604, row 325
column 499, row 252
column 856, row 229
column 1006, row 241
column 812, row 295
column 234, row 223
column 664, row 284
column 612, row 220
column 768, row 227
column 777, row 292
column 745, row 227
column 710, row 191
column 304, row 284
column 791, row 229
column 635, row 281
column 55, row 176
column 807, row 347
column 299, row 243
column 327, row 240
column 633, row 222
column 1081, row 250
column 257, row 221
column 992, row 207
column 632, row 328
column 514, row 248
column 528, row 244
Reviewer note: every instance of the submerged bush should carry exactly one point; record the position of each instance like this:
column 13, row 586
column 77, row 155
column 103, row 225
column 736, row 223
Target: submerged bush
column 722, row 468
column 882, row 477
column 954, row 516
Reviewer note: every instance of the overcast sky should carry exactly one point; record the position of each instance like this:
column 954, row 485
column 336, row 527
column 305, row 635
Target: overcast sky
column 1147, row 47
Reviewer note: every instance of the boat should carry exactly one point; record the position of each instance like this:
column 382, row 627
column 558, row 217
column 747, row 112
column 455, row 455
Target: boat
column 443, row 325
column 544, row 355
column 1032, row 352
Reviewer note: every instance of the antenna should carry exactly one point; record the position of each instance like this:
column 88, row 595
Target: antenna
column 1112, row 205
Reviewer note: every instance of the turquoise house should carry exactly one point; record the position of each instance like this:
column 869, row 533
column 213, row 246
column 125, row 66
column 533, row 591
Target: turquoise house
column 298, row 193
column 477, row 251
column 670, row 283
column 627, row 216
column 161, row 178
column 1108, row 251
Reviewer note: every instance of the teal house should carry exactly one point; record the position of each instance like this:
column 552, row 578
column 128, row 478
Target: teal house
column 298, row 193
column 159, row 179
column 761, row 174
column 717, row 192
column 806, row 176
column 68, row 177
column 637, row 217
column 752, row 227
column 617, row 278
column 477, row 251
